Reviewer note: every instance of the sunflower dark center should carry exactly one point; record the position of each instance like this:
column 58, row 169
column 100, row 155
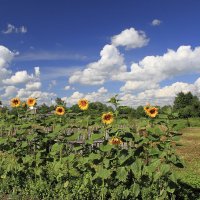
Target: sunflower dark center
column 15, row 101
column 107, row 117
column 60, row 110
column 152, row 111
column 83, row 103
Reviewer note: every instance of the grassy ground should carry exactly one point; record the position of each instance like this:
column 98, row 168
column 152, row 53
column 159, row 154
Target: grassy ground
column 190, row 153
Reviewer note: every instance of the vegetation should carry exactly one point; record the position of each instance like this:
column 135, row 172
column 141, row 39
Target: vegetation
column 92, row 151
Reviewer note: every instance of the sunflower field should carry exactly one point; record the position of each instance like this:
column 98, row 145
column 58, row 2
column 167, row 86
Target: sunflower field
column 62, row 155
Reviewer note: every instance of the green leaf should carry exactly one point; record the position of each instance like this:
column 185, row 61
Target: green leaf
column 56, row 148
column 31, row 137
column 94, row 156
column 154, row 165
column 24, row 144
column 136, row 189
column 96, row 136
column 165, row 168
column 74, row 172
column 3, row 140
column 106, row 162
column 126, row 193
column 163, row 116
column 106, row 148
column 13, row 139
column 122, row 174
column 176, row 138
column 66, row 184
column 136, row 168
column 173, row 177
column 71, row 157
column 102, row 173
column 74, row 136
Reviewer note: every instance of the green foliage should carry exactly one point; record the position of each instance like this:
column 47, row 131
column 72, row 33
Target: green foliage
column 187, row 105
column 71, row 157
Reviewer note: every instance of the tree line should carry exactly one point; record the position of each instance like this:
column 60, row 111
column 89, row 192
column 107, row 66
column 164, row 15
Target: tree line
column 185, row 104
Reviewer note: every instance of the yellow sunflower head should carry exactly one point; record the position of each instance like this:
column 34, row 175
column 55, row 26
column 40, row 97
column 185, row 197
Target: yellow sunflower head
column 107, row 118
column 147, row 107
column 15, row 102
column 115, row 141
column 83, row 104
column 31, row 102
column 152, row 112
column 60, row 110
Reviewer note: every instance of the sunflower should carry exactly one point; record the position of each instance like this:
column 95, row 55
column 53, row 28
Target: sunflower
column 107, row 118
column 31, row 102
column 152, row 112
column 83, row 104
column 115, row 141
column 15, row 102
column 147, row 107
column 60, row 110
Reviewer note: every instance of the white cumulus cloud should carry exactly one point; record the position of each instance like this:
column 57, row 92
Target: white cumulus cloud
column 130, row 38
column 10, row 91
column 151, row 70
column 96, row 73
column 33, row 86
column 67, row 87
column 6, row 57
column 156, row 22
column 19, row 77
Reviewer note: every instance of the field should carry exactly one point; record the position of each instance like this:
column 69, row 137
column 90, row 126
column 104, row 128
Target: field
column 190, row 153
column 66, row 155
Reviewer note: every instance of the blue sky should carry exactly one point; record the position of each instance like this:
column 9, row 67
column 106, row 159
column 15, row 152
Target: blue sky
column 63, row 37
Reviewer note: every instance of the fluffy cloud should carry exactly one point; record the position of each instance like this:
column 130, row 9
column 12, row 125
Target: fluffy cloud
column 102, row 90
column 52, row 84
column 10, row 91
column 96, row 73
column 6, row 57
column 29, row 84
column 100, row 95
column 130, row 38
column 67, row 87
column 111, row 62
column 156, row 22
column 37, row 71
column 12, row 29
column 139, row 85
column 151, row 70
column 42, row 97
column 161, row 96
column 73, row 99
column 19, row 77
column 22, row 77
column 32, row 86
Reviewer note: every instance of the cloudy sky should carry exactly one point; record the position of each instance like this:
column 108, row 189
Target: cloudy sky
column 145, row 51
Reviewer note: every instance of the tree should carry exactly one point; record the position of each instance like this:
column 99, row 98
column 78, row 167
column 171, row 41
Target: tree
column 60, row 102
column 140, row 112
column 187, row 105
column 126, row 111
column 182, row 100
